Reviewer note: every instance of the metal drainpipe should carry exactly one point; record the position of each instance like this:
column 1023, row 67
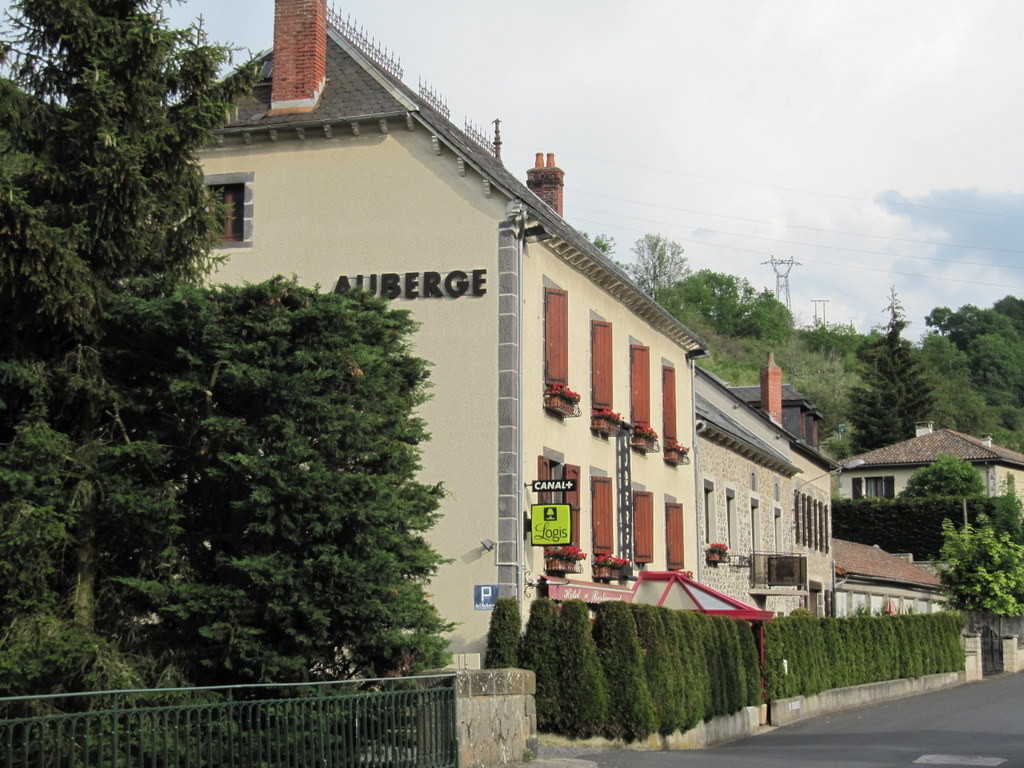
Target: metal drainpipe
column 517, row 219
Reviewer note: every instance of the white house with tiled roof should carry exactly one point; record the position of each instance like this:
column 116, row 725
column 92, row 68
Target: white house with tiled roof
column 884, row 472
column 870, row 580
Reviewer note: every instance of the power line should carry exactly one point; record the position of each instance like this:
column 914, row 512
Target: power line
column 795, row 226
column 818, row 246
column 786, row 189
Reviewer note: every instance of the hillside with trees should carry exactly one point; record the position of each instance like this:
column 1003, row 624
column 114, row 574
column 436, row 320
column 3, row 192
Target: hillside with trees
column 966, row 372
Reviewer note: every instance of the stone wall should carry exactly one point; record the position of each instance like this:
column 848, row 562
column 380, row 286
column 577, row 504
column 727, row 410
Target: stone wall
column 496, row 719
column 746, row 482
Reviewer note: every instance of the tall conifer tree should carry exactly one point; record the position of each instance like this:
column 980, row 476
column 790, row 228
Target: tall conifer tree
column 895, row 393
column 196, row 485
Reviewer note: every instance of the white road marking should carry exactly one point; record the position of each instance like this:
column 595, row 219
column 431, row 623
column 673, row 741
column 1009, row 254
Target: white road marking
column 959, row 760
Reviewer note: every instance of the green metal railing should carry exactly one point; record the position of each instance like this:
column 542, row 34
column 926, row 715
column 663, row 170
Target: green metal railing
column 400, row 723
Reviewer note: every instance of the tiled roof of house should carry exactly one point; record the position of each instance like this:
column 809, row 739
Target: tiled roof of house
column 863, row 560
column 926, row 448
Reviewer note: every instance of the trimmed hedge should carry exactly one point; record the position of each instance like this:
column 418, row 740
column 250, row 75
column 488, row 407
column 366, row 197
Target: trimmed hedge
column 807, row 655
column 582, row 690
column 904, row 525
column 644, row 669
column 539, row 652
column 503, row 635
column 630, row 711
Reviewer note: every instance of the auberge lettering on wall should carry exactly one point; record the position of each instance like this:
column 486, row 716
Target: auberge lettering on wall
column 418, row 285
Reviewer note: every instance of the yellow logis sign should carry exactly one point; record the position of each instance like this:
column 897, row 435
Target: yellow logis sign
column 550, row 524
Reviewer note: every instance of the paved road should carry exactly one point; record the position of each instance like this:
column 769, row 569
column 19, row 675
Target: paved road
column 980, row 724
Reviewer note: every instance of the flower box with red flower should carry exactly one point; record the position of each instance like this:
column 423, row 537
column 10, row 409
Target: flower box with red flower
column 564, row 559
column 608, row 567
column 644, row 438
column 717, row 553
column 605, row 422
column 675, row 453
column 561, row 400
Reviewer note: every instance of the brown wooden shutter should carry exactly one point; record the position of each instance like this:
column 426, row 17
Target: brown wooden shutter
column 640, row 383
column 572, row 498
column 544, row 466
column 858, row 487
column 674, row 536
column 601, row 378
column 797, row 517
column 668, row 403
column 890, row 486
column 601, row 519
column 643, row 526
column 556, row 336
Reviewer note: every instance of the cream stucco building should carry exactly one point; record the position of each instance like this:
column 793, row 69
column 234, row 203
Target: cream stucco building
column 884, row 472
column 341, row 175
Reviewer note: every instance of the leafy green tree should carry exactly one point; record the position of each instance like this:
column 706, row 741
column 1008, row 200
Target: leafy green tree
column 258, row 519
column 604, row 243
column 983, row 569
column 993, row 345
column 946, row 476
column 658, row 263
column 835, row 339
column 895, row 392
column 730, row 304
column 958, row 405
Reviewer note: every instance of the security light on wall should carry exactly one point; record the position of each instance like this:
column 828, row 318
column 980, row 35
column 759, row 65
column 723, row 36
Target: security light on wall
column 487, row 544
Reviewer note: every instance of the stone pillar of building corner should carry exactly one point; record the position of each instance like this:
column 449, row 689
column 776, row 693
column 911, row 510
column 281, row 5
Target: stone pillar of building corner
column 771, row 389
column 300, row 55
column 547, row 181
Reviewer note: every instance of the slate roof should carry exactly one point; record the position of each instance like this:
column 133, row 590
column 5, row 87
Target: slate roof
column 790, row 395
column 718, row 417
column 746, row 441
column 361, row 91
column 926, row 448
column 862, row 560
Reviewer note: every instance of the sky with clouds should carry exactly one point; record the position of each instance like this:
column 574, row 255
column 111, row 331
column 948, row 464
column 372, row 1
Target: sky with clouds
column 876, row 143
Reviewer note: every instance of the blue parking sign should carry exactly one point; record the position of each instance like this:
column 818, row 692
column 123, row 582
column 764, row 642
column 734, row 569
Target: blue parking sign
column 484, row 596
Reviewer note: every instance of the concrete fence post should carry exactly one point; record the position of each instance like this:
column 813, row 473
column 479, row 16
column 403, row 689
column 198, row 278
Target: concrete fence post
column 972, row 654
column 1011, row 658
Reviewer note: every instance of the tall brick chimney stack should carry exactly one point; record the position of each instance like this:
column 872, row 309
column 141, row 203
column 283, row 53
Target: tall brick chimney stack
column 300, row 55
column 771, row 389
column 547, row 182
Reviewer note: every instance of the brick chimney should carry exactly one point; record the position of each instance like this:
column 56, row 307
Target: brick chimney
column 771, row 389
column 547, row 181
column 300, row 55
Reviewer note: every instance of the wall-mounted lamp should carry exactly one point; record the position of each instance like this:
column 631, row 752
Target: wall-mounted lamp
column 487, row 544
